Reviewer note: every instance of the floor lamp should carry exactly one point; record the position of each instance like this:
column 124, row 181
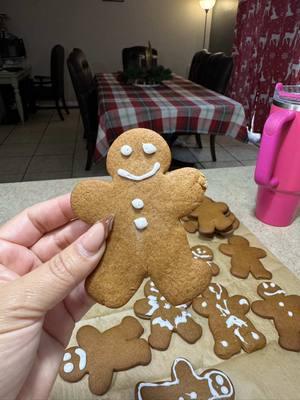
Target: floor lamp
column 206, row 5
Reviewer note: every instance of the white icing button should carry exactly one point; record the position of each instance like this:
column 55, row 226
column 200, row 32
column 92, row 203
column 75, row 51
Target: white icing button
column 138, row 204
column 167, row 306
column 126, row 150
column 68, row 368
column 193, row 396
column 219, row 380
column 224, row 390
column 204, row 304
column 149, row 148
column 255, row 335
column 281, row 304
column 67, row 357
column 224, row 343
column 163, row 298
column 290, row 313
column 140, row 223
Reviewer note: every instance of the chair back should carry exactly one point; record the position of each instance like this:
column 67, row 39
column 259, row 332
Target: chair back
column 57, row 70
column 130, row 56
column 85, row 89
column 211, row 70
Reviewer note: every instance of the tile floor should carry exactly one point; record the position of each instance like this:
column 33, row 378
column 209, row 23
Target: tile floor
column 47, row 148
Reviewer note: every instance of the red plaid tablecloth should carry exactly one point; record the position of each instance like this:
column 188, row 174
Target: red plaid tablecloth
column 178, row 105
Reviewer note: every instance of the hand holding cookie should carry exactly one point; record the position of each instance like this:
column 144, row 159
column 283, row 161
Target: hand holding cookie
column 45, row 257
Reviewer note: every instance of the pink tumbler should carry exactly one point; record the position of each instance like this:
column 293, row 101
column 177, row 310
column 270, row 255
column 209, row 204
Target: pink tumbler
column 278, row 165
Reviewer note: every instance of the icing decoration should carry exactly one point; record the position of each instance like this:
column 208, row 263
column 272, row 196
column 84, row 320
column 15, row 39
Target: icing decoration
column 281, row 304
column 82, row 355
column 149, row 148
column 224, row 343
column 138, row 204
column 280, row 291
column 208, row 389
column 255, row 335
column 140, row 223
column 128, row 175
column 204, row 304
column 243, row 301
column 67, row 357
column 68, row 367
column 126, row 150
column 272, row 284
column 163, row 323
column 152, row 301
column 290, row 314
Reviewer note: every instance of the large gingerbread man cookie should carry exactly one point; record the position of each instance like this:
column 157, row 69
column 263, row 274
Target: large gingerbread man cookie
column 245, row 258
column 187, row 384
column 227, row 320
column 99, row 354
column 148, row 238
column 166, row 319
column 284, row 310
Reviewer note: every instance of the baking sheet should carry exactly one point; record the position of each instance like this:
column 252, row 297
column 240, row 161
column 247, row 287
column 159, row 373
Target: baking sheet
column 271, row 373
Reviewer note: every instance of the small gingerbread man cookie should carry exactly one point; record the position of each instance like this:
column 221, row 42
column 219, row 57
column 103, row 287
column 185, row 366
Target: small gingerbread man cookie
column 227, row 320
column 245, row 258
column 99, row 354
column 284, row 310
column 166, row 319
column 212, row 216
column 148, row 238
column 206, row 254
column 187, row 384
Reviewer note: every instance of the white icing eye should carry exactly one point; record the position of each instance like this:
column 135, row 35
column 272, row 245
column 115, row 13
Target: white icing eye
column 126, row 150
column 149, row 148
column 67, row 357
column 220, row 380
column 272, row 284
column 265, row 285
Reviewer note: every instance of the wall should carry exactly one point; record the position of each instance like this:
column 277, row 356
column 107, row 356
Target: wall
column 102, row 29
column 223, row 23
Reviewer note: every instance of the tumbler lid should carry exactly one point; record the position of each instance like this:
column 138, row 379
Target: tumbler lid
column 287, row 96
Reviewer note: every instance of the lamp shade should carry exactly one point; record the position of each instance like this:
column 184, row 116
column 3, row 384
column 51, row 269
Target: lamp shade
column 207, row 4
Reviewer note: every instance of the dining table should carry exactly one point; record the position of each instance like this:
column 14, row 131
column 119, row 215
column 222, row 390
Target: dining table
column 174, row 106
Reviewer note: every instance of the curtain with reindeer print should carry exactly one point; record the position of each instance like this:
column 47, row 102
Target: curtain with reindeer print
column 266, row 51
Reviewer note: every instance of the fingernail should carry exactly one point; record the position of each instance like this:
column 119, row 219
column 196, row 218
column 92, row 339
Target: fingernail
column 108, row 224
column 92, row 240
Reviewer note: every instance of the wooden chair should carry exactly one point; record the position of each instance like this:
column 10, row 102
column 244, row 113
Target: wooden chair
column 212, row 70
column 52, row 87
column 86, row 92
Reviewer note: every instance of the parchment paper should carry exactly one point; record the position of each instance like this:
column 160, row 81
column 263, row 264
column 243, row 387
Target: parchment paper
column 271, row 373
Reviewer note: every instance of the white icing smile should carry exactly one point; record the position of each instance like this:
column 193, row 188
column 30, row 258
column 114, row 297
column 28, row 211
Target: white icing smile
column 128, row 175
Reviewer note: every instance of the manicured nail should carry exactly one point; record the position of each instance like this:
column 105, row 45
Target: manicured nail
column 92, row 240
column 108, row 224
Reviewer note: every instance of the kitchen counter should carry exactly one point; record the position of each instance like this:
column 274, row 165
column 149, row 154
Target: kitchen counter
column 235, row 186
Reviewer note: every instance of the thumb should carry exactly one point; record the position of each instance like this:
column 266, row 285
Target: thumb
column 50, row 283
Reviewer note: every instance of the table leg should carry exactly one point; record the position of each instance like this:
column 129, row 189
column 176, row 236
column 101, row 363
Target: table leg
column 18, row 101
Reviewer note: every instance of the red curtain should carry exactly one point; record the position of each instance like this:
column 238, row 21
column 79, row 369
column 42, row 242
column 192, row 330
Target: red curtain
column 266, row 51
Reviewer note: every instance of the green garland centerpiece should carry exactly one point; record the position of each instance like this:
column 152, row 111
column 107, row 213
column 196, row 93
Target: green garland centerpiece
column 148, row 73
